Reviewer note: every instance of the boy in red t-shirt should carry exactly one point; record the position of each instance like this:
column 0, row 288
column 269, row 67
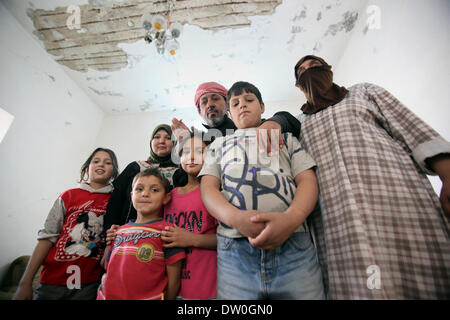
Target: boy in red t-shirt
column 139, row 267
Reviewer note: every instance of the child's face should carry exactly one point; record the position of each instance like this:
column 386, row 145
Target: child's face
column 148, row 196
column 245, row 110
column 192, row 156
column 161, row 143
column 100, row 168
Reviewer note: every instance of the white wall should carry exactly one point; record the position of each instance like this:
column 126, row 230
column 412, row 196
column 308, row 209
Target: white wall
column 129, row 134
column 408, row 55
column 53, row 132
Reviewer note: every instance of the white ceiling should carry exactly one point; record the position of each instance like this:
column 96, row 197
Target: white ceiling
column 263, row 53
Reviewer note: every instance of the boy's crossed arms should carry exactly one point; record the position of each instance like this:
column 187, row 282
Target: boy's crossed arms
column 265, row 230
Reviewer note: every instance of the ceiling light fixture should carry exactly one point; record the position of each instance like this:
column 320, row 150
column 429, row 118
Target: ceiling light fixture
column 162, row 32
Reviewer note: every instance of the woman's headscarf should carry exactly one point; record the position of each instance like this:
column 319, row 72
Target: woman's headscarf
column 315, row 78
column 154, row 158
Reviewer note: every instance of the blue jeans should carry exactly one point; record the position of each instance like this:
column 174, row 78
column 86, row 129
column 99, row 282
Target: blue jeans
column 290, row 271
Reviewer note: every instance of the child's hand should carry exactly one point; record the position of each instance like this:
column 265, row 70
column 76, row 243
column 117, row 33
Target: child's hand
column 23, row 292
column 246, row 226
column 177, row 237
column 111, row 234
column 278, row 229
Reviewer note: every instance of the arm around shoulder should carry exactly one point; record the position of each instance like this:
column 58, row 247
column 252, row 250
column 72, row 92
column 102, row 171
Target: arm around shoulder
column 287, row 122
column 182, row 238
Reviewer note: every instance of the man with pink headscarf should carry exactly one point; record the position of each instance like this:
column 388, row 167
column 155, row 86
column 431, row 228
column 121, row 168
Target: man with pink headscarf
column 210, row 101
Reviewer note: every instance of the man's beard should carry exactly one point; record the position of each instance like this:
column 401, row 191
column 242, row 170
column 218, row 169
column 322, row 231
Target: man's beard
column 217, row 120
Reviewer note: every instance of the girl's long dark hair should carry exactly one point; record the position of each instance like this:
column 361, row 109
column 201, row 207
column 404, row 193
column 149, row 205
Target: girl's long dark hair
column 180, row 178
column 85, row 166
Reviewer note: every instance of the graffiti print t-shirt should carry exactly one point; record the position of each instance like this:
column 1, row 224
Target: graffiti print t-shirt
column 254, row 181
column 136, row 268
column 199, row 271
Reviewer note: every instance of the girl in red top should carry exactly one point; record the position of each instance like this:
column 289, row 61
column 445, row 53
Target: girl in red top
column 72, row 242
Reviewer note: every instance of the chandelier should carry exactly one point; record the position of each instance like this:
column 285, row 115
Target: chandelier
column 161, row 32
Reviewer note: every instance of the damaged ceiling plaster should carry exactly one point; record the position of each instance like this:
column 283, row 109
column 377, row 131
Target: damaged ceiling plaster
column 94, row 44
column 258, row 41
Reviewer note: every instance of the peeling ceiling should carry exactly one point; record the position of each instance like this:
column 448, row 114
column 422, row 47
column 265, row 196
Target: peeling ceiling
column 223, row 40
column 95, row 45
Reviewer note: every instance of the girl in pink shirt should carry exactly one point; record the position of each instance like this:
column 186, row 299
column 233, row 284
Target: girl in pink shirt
column 195, row 228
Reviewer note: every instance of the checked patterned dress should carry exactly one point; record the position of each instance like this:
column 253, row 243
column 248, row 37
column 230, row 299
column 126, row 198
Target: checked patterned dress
column 377, row 206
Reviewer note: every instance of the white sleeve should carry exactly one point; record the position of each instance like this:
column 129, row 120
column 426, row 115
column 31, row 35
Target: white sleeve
column 211, row 163
column 300, row 159
column 429, row 149
column 54, row 222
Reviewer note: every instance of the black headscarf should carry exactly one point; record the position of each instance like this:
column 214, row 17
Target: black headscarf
column 154, row 158
column 315, row 79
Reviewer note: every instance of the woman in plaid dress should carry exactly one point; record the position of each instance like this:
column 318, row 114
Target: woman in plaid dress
column 382, row 232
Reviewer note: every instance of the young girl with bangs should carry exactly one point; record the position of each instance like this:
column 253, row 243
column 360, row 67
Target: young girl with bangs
column 194, row 228
column 71, row 243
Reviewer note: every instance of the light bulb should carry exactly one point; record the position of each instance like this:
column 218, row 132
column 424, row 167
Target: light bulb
column 147, row 21
column 175, row 29
column 173, row 48
column 159, row 23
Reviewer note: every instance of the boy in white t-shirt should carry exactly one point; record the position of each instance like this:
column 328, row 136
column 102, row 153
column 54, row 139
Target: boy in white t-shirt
column 262, row 202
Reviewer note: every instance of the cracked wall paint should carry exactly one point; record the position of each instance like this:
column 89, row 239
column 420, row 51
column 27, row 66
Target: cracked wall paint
column 347, row 24
column 106, row 93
